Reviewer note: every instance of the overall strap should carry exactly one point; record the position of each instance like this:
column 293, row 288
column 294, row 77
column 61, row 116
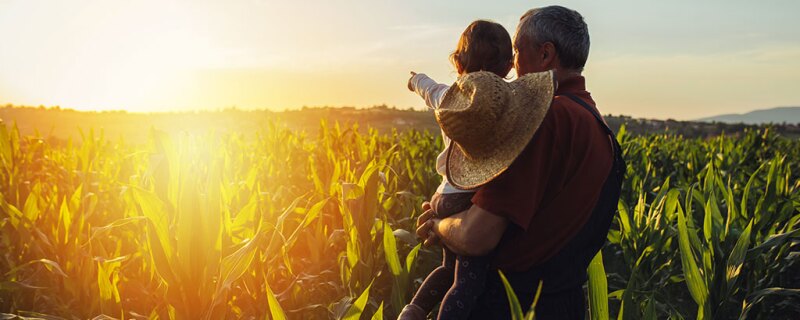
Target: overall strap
column 567, row 268
column 592, row 111
column 616, row 148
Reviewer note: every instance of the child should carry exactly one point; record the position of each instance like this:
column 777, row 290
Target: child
column 483, row 46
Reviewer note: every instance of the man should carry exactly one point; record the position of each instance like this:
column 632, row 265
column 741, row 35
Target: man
column 548, row 214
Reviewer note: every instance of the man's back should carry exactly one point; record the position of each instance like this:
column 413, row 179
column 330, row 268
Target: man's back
column 570, row 204
column 549, row 192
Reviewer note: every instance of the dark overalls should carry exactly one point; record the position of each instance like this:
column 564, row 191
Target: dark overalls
column 564, row 274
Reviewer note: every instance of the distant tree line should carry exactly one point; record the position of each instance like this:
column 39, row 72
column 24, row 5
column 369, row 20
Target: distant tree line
column 694, row 129
column 381, row 117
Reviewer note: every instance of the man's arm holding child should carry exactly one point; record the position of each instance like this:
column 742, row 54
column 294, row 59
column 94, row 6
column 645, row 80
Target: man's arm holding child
column 474, row 232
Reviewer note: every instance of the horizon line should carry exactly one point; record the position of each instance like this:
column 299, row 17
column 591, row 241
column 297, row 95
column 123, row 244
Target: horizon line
column 319, row 107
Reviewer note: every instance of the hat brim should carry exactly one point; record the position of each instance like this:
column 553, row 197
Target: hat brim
column 533, row 95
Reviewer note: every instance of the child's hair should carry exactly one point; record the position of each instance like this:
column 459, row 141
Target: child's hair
column 483, row 46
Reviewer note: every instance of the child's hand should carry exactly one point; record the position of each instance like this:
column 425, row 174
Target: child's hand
column 425, row 224
column 411, row 88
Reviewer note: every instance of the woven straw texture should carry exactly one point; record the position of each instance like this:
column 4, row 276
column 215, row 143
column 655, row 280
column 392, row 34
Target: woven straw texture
column 490, row 121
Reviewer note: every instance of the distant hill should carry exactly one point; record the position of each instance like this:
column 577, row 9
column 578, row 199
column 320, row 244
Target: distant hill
column 774, row 115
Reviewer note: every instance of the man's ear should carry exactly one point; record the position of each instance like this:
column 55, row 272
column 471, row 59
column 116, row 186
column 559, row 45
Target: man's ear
column 549, row 56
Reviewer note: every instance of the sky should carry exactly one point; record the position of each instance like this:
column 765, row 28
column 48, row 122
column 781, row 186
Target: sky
column 653, row 59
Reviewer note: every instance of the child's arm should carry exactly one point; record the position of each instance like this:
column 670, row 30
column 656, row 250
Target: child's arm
column 431, row 91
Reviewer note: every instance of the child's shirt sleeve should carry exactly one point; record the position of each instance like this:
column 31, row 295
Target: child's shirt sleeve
column 431, row 91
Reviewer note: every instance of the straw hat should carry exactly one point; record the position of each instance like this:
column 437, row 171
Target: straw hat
column 490, row 121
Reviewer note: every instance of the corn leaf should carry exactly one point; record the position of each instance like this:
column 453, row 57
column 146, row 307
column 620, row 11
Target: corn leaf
column 274, row 307
column 694, row 280
column 598, row 289
column 355, row 310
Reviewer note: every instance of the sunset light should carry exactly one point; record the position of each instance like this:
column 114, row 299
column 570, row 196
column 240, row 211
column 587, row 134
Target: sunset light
column 187, row 55
column 409, row 160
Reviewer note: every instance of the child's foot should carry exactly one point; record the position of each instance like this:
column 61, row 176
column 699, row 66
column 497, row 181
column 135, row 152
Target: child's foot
column 412, row 312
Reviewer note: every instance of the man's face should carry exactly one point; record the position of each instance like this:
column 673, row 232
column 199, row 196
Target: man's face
column 527, row 58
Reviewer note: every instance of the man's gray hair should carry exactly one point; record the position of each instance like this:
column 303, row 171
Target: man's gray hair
column 561, row 26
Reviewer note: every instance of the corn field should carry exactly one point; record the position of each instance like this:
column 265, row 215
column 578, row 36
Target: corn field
column 290, row 225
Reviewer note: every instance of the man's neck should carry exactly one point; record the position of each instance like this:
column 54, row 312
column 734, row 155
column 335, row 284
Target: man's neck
column 562, row 74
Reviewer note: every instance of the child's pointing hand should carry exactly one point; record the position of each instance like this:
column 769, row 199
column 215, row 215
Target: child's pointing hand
column 410, row 87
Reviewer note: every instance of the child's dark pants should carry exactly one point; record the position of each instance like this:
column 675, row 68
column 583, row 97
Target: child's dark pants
column 469, row 272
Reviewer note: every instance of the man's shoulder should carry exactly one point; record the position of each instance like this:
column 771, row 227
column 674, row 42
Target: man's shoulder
column 566, row 106
column 565, row 113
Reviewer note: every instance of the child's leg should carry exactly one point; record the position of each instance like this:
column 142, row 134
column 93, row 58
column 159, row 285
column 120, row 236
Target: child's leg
column 470, row 280
column 448, row 204
column 436, row 284
column 439, row 281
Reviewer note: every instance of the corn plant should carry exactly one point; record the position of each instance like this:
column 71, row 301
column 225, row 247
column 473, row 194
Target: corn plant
column 286, row 224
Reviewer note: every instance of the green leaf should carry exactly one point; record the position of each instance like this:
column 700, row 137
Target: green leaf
column 246, row 216
column 513, row 301
column 66, row 219
column 532, row 311
column 274, row 307
column 51, row 266
column 107, row 279
column 355, row 310
column 598, row 288
column 12, row 212
column 736, row 258
column 758, row 296
column 378, row 313
column 772, row 242
column 238, row 263
column 708, row 225
column 411, row 257
column 694, row 280
column 313, row 212
column 671, row 203
column 6, row 155
column 390, row 250
column 155, row 211
column 624, row 220
column 31, row 207
column 746, row 192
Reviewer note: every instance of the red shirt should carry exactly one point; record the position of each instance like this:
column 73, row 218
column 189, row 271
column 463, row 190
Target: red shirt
column 549, row 191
